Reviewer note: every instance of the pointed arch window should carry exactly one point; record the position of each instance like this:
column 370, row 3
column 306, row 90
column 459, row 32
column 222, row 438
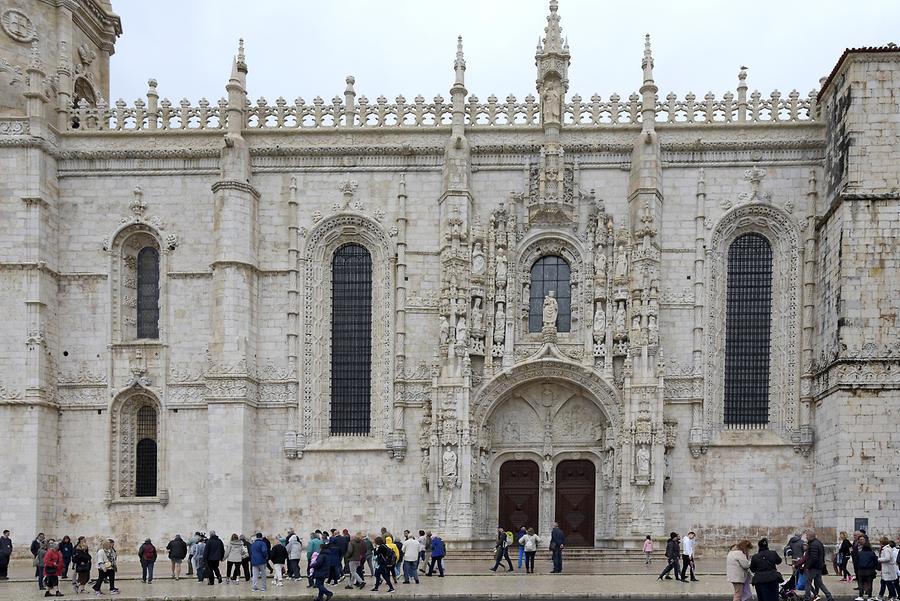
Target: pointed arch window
column 145, row 464
column 351, row 341
column 748, row 328
column 148, row 293
column 550, row 273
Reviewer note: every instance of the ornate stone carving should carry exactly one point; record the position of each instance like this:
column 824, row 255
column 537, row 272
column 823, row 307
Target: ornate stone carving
column 783, row 235
column 18, row 26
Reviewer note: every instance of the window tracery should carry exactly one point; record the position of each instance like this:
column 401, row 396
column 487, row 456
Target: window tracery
column 136, row 452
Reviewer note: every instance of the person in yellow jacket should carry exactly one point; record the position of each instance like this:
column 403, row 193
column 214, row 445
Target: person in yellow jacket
column 389, row 541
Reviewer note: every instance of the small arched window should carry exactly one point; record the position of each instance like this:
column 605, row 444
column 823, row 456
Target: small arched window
column 145, row 465
column 148, row 293
column 351, row 340
column 748, row 326
column 550, row 273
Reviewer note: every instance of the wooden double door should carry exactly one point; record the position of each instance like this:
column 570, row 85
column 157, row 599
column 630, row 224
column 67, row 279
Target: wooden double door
column 520, row 493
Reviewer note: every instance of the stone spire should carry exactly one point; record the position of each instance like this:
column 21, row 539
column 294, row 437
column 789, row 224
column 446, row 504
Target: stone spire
column 648, row 89
column 237, row 90
column 552, row 54
column 459, row 65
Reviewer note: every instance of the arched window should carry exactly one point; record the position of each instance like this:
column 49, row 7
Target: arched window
column 550, row 273
column 145, row 453
column 748, row 325
column 148, row 293
column 351, row 340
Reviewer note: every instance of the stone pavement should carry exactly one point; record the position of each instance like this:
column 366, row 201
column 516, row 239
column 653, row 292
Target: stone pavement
column 465, row 580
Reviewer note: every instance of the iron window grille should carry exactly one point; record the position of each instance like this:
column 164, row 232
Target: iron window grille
column 550, row 273
column 148, row 293
column 145, row 471
column 351, row 341
column 748, row 324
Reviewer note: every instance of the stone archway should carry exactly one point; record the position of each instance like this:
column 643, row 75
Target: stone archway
column 549, row 411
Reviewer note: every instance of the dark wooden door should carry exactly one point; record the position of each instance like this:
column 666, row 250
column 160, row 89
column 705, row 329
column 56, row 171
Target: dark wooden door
column 575, row 481
column 519, row 493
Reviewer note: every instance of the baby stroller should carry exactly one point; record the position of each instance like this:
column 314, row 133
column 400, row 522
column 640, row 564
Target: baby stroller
column 788, row 589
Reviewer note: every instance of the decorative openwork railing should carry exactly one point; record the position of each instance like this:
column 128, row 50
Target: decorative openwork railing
column 362, row 113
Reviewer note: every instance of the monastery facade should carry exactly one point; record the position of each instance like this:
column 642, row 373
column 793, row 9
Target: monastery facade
column 627, row 314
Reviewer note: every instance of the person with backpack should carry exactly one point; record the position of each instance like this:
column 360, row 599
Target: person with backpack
column 53, row 566
column 384, row 563
column 147, row 554
column 178, row 550
column 501, row 551
column 529, row 542
column 320, row 569
column 438, row 551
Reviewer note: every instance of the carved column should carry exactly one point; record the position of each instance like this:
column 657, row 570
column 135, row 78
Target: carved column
column 231, row 385
column 398, row 440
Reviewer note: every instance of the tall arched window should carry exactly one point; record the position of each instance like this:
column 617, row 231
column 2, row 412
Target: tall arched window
column 351, row 340
column 148, row 293
column 145, row 467
column 550, row 273
column 748, row 325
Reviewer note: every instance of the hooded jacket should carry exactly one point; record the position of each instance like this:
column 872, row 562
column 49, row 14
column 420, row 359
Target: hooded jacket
column 294, row 547
column 437, row 546
column 259, row 552
column 389, row 541
column 279, row 554
column 234, row 551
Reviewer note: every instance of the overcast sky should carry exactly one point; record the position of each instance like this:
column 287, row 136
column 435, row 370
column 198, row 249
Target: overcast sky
column 306, row 48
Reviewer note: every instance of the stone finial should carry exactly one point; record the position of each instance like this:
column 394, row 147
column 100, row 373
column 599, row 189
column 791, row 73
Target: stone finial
column 241, row 61
column 459, row 65
column 553, row 40
column 350, row 81
column 648, row 53
column 742, row 78
column 35, row 60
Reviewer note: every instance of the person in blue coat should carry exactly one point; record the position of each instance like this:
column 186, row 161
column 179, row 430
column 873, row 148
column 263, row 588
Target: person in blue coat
column 320, row 569
column 437, row 556
column 259, row 557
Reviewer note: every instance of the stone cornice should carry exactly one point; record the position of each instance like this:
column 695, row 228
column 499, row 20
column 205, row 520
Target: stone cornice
column 856, row 374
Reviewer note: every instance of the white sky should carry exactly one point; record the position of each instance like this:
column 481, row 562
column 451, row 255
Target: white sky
column 306, row 48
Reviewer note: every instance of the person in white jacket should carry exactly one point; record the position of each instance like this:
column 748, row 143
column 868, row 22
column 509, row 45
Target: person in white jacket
column 888, row 560
column 530, row 542
column 687, row 556
column 295, row 552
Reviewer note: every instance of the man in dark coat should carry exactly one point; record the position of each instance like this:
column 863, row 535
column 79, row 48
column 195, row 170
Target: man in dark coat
column 178, row 550
column 673, row 554
column 557, row 544
column 815, row 564
column 212, row 555
column 6, row 547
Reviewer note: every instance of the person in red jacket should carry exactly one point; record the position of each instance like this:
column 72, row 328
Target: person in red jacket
column 53, row 567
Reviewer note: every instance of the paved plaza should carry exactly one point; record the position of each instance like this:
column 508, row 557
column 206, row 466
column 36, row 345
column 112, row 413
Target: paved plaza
column 465, row 579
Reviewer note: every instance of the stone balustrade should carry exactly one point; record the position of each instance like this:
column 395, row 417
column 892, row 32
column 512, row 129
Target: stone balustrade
column 163, row 115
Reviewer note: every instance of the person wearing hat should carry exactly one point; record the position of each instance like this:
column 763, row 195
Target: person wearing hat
column 147, row 556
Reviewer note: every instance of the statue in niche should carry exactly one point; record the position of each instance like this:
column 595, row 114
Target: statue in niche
column 426, row 463
column 551, row 309
column 599, row 323
column 636, row 323
column 510, row 432
column 608, row 467
column 547, row 469
column 499, row 324
column 448, row 462
column 485, row 473
column 643, row 461
column 501, row 268
column 621, row 263
column 478, row 263
column 620, row 318
column 653, row 327
column 551, row 102
column 462, row 333
column 445, row 330
column 600, row 270
column 477, row 315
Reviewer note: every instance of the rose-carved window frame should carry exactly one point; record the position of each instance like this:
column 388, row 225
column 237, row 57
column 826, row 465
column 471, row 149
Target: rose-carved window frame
column 545, row 244
column 783, row 235
column 315, row 270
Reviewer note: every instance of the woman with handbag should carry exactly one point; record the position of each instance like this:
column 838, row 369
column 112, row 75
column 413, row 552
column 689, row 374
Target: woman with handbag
column 766, row 576
column 104, row 567
column 81, row 559
column 53, row 566
column 737, row 567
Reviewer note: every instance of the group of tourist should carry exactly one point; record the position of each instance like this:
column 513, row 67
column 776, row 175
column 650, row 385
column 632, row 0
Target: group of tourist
column 331, row 557
column 528, row 542
column 804, row 556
